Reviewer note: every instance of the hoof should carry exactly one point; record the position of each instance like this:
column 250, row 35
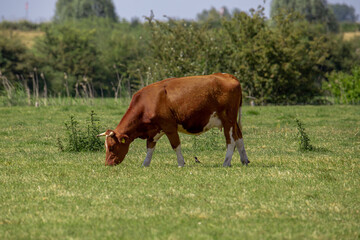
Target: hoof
column 181, row 164
column 245, row 162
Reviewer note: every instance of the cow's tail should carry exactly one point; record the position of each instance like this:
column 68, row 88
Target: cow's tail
column 240, row 114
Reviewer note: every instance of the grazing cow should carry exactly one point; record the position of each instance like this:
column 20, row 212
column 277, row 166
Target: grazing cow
column 189, row 105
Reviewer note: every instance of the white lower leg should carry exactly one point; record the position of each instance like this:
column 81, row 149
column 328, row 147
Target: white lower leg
column 229, row 154
column 229, row 150
column 179, row 156
column 148, row 157
column 241, row 149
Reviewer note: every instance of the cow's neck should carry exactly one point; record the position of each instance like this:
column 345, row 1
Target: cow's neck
column 131, row 124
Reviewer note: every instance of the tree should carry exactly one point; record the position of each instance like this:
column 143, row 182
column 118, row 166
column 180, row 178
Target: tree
column 78, row 9
column 180, row 48
column 314, row 11
column 66, row 49
column 278, row 63
column 343, row 12
column 213, row 17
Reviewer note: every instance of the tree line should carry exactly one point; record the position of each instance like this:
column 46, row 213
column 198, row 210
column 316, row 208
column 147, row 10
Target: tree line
column 87, row 51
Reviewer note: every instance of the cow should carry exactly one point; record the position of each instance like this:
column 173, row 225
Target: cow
column 191, row 105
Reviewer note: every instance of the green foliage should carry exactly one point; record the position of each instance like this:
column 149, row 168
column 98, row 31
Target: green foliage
column 21, row 25
column 124, row 52
column 90, row 48
column 343, row 55
column 344, row 12
column 213, row 17
column 314, row 11
column 344, row 87
column 12, row 56
column 304, row 140
column 283, row 60
column 70, row 46
column 349, row 26
column 66, row 49
column 79, row 9
column 180, row 48
column 80, row 138
column 278, row 63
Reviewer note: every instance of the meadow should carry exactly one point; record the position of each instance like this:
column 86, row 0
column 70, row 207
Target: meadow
column 283, row 193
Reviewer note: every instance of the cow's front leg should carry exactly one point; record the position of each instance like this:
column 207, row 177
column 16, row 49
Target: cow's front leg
column 175, row 144
column 150, row 146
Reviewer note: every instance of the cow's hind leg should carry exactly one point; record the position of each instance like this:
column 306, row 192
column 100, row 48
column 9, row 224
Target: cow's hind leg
column 230, row 143
column 239, row 142
column 175, row 144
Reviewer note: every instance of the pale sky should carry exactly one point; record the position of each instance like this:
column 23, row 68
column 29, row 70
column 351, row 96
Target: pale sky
column 43, row 10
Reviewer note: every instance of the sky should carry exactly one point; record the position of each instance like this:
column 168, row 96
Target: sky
column 43, row 10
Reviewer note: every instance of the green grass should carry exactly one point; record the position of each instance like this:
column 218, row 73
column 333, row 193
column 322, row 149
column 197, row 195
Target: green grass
column 282, row 194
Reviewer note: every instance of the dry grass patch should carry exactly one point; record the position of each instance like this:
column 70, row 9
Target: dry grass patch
column 26, row 37
column 350, row 35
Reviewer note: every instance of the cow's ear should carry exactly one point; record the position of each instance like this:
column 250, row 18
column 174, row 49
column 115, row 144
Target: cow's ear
column 123, row 138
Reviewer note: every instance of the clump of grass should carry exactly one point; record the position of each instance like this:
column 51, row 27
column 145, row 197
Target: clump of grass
column 252, row 112
column 304, row 140
column 81, row 138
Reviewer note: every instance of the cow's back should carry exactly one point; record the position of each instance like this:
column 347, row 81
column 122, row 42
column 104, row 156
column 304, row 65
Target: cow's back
column 210, row 92
column 191, row 101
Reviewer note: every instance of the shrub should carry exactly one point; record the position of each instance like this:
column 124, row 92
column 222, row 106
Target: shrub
column 13, row 56
column 345, row 88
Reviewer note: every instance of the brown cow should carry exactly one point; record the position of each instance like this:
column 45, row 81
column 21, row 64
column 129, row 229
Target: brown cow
column 190, row 105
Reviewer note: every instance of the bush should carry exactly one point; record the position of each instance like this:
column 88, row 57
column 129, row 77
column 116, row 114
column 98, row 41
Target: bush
column 349, row 27
column 79, row 138
column 344, row 87
column 13, row 58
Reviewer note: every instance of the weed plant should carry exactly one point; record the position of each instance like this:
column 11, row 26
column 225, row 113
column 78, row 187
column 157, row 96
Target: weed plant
column 77, row 139
column 304, row 140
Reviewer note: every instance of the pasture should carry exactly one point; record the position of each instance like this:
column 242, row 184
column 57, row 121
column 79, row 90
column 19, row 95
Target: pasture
column 282, row 194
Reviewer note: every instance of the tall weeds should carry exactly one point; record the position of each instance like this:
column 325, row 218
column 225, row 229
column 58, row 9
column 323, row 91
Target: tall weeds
column 304, row 140
column 79, row 137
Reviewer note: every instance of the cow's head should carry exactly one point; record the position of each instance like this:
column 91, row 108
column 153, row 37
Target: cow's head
column 117, row 146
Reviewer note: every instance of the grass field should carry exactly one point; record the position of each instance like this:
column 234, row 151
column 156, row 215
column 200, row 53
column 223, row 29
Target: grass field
column 282, row 194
